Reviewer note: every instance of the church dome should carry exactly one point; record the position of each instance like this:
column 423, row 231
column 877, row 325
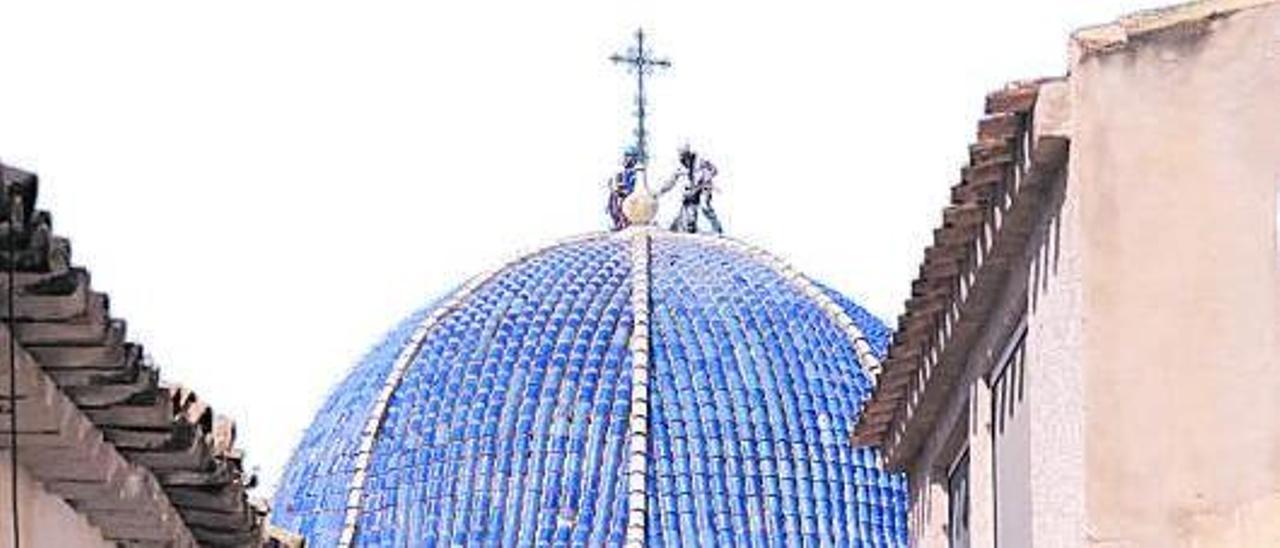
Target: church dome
column 625, row 387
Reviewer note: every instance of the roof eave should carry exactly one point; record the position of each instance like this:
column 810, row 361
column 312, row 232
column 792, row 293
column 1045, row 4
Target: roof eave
column 1021, row 146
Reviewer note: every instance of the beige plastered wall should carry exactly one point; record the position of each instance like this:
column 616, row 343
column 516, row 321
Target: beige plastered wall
column 1174, row 169
column 45, row 519
column 1055, row 385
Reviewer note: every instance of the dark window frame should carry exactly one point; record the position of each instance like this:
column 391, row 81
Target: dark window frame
column 958, row 491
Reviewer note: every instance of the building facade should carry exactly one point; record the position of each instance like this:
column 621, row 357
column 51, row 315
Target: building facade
column 1091, row 353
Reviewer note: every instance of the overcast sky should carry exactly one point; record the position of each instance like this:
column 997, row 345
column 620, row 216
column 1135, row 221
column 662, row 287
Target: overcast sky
column 265, row 187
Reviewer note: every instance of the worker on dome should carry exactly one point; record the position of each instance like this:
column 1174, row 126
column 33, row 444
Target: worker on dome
column 622, row 185
column 699, row 176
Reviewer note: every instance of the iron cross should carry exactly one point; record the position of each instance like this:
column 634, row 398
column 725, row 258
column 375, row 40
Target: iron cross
column 641, row 61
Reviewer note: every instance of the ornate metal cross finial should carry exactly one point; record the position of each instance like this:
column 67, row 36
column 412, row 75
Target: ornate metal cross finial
column 641, row 61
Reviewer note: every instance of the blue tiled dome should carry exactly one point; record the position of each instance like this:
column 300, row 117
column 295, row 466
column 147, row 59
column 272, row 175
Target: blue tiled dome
column 690, row 388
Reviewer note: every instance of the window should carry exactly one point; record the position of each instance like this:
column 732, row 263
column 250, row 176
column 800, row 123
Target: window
column 1011, row 445
column 958, row 502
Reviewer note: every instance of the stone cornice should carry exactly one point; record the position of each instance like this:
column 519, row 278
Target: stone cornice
column 1189, row 19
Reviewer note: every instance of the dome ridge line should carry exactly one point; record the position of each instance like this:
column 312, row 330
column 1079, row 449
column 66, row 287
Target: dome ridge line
column 638, row 421
column 406, row 356
column 867, row 360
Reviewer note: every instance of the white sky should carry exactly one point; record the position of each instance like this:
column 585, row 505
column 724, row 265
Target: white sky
column 264, row 187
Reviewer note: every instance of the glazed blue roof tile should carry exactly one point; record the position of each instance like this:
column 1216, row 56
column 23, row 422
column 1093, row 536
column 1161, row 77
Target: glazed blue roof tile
column 509, row 425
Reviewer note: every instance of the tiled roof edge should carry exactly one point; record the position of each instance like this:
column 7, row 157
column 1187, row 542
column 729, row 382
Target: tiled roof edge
column 1020, row 143
column 170, row 438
